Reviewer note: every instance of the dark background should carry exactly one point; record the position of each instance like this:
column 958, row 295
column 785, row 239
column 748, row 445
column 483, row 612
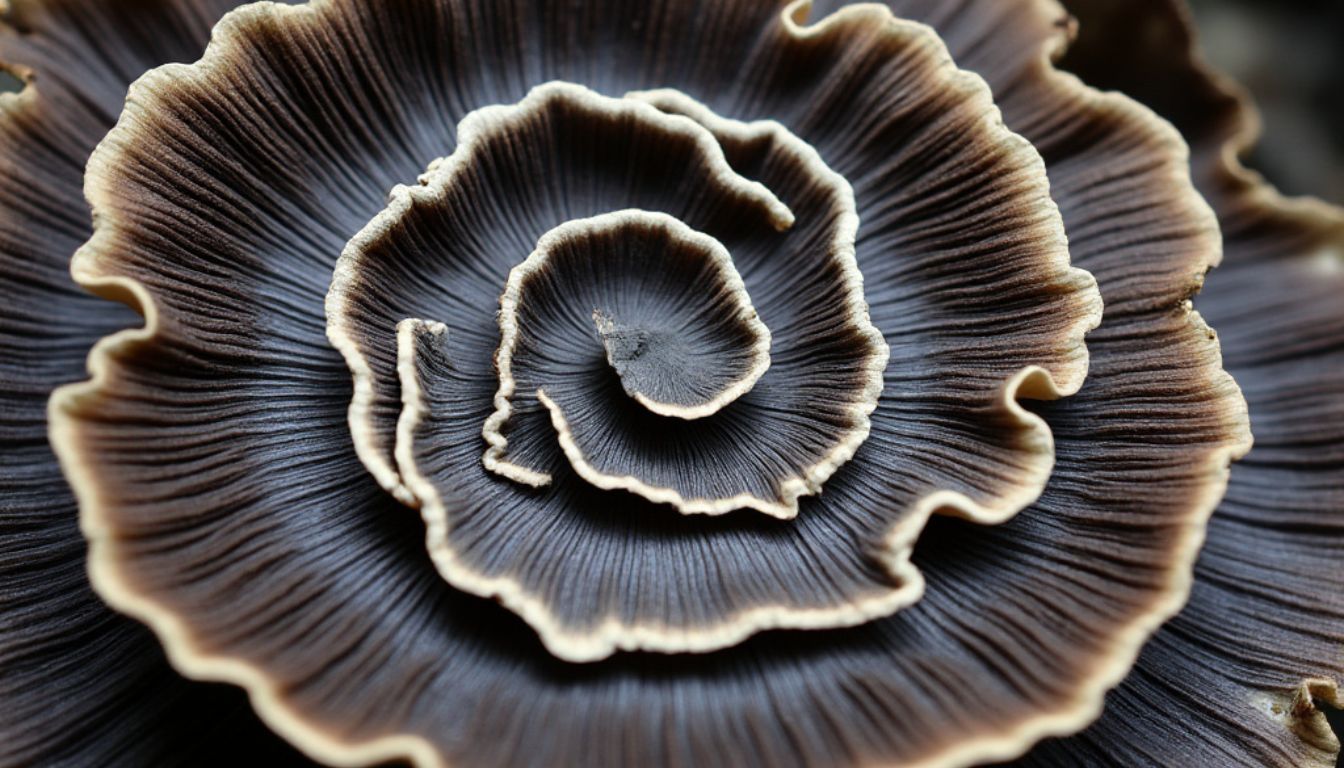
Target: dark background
column 1290, row 53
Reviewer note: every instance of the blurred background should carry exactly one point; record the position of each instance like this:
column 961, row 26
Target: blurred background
column 1290, row 54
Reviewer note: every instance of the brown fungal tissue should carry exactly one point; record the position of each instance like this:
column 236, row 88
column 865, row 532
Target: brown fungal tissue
column 615, row 383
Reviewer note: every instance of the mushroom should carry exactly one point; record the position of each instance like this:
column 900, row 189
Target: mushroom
column 1257, row 649
column 947, row 392
column 225, row 505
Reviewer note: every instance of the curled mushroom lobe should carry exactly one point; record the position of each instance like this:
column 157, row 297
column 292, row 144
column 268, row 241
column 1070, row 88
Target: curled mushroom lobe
column 628, row 383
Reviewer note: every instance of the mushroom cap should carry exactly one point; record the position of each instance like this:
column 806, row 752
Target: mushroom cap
column 968, row 632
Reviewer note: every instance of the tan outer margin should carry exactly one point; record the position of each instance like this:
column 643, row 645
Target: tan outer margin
column 472, row 130
column 267, row 697
column 611, row 635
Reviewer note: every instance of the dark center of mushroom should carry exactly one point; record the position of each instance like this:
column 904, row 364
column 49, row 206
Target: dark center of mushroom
column 666, row 371
column 671, row 313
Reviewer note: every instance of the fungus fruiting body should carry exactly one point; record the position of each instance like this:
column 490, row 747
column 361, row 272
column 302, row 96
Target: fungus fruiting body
column 715, row 383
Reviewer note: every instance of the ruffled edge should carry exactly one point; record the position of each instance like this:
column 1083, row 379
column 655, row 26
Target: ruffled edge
column 188, row 657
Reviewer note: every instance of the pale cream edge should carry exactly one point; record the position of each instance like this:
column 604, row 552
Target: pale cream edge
column 359, row 415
